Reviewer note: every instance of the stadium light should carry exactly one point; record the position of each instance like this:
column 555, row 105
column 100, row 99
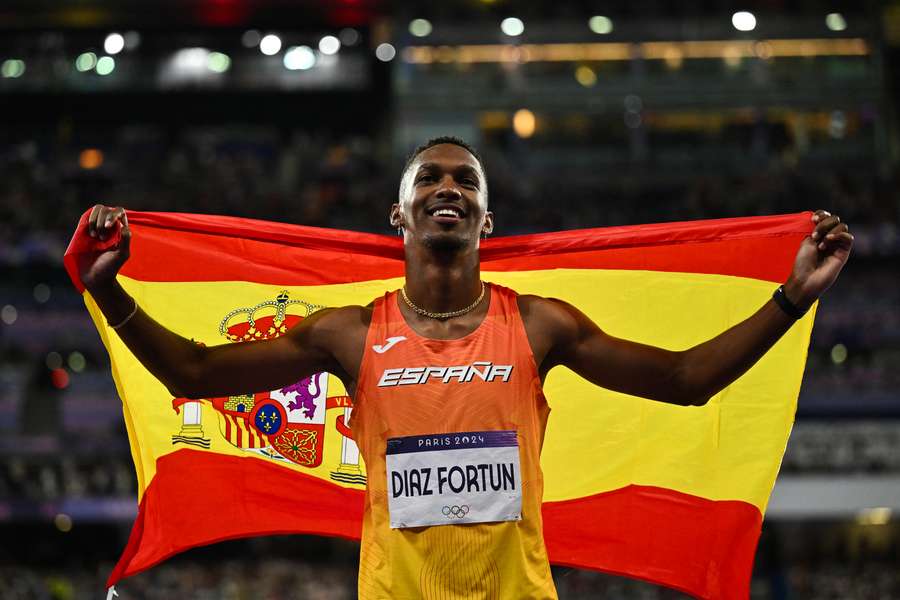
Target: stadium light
column 77, row 361
column 879, row 515
column 835, row 22
column 600, row 25
column 329, row 45
column 85, row 62
column 12, row 68
column 524, row 123
column 420, row 27
column 41, row 293
column 838, row 354
column 585, row 76
column 270, row 44
column 105, row 65
column 63, row 522
column 743, row 21
column 385, row 52
column 299, row 58
column 218, row 62
column 251, row 38
column 512, row 26
column 349, row 36
column 114, row 43
column 9, row 314
column 53, row 360
column 132, row 40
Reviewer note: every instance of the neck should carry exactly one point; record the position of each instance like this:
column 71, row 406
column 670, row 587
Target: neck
column 442, row 282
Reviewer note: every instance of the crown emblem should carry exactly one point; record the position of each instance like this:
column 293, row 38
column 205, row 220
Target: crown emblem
column 266, row 320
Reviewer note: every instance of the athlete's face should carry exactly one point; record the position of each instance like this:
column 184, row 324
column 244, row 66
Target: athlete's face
column 443, row 199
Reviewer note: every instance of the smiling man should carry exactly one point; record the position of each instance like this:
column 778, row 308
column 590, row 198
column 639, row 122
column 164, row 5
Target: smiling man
column 447, row 375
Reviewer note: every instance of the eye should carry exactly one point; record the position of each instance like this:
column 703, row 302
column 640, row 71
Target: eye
column 424, row 177
column 468, row 181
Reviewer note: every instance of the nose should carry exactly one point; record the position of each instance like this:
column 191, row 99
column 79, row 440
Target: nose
column 448, row 190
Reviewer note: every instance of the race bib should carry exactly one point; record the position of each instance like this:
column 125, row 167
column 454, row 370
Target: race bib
column 466, row 477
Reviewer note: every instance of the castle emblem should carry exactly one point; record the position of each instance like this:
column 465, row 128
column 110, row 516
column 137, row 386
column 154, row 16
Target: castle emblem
column 286, row 424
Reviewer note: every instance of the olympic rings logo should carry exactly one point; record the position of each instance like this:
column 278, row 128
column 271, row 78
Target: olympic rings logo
column 455, row 512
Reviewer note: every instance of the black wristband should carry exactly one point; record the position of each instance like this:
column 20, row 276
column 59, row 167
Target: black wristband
column 789, row 308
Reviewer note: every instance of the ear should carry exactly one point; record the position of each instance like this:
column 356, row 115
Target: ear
column 396, row 216
column 488, row 227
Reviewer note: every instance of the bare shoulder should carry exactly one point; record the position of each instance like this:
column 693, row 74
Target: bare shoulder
column 551, row 313
column 549, row 323
column 338, row 334
column 330, row 324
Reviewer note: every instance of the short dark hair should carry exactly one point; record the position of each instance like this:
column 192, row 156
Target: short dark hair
column 446, row 139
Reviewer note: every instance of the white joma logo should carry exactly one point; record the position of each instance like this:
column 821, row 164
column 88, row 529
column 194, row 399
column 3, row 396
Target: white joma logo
column 391, row 341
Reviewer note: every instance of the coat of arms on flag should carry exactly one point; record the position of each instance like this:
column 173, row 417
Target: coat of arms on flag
column 286, row 424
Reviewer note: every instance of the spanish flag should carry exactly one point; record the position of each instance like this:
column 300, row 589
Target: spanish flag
column 669, row 494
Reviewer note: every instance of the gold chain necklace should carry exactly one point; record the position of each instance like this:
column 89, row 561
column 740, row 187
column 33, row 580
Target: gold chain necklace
column 442, row 315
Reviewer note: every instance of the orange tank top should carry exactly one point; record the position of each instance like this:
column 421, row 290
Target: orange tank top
column 416, row 388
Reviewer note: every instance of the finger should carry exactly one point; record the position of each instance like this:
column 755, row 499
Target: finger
column 819, row 215
column 838, row 229
column 126, row 232
column 114, row 216
column 824, row 226
column 104, row 224
column 92, row 221
column 839, row 240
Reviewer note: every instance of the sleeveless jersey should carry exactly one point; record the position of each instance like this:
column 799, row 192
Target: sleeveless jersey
column 503, row 560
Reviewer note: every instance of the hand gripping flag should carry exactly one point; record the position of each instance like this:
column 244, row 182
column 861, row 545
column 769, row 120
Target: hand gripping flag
column 669, row 494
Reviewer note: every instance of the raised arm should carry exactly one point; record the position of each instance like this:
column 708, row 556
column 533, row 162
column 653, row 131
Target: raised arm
column 692, row 376
column 190, row 370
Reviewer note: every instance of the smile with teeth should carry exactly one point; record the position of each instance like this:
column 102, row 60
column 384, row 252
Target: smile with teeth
column 447, row 212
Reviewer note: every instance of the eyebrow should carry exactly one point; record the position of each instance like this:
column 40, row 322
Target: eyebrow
column 429, row 166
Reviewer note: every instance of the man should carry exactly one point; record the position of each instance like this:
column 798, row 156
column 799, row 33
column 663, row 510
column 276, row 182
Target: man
column 451, row 363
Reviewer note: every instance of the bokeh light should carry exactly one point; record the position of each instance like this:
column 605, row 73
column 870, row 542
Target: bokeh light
column 76, row 361
column 90, row 158
column 270, row 45
column 524, row 123
column 85, row 62
column 743, row 21
column 63, row 522
column 329, row 44
column 12, row 68
column 512, row 26
column 105, row 65
column 218, row 62
column 385, row 52
column 114, row 43
column 299, row 58
column 420, row 27
column 600, row 24
column 9, row 314
column 59, row 378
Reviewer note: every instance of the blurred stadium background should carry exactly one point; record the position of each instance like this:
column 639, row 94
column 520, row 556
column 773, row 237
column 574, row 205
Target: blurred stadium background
column 588, row 114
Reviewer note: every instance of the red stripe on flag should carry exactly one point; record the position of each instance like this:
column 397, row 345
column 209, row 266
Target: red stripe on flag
column 229, row 249
column 200, row 497
column 700, row 546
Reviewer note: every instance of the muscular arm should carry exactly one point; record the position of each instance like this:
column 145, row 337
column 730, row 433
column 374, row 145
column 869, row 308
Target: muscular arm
column 562, row 335
column 193, row 371
column 687, row 377
column 329, row 340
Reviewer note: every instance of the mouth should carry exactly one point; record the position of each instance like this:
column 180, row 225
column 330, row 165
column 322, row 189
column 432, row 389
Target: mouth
column 446, row 213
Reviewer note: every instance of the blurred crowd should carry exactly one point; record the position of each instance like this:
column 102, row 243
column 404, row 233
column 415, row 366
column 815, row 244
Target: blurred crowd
column 281, row 579
column 349, row 181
